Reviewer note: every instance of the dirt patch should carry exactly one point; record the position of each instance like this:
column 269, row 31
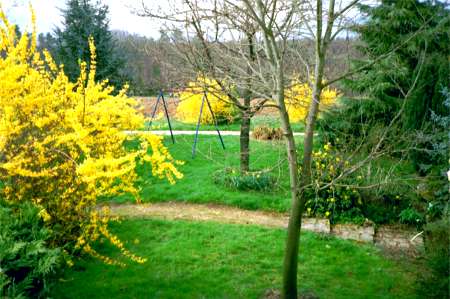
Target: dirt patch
column 197, row 212
column 149, row 103
column 216, row 213
column 231, row 215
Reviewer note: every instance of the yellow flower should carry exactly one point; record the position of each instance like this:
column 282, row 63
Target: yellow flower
column 191, row 99
column 44, row 215
column 63, row 142
column 298, row 97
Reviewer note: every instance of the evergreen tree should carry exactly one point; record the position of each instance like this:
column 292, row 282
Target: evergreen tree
column 46, row 41
column 419, row 32
column 388, row 25
column 82, row 19
column 18, row 31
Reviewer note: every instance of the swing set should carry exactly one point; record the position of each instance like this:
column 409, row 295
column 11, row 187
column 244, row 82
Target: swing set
column 208, row 104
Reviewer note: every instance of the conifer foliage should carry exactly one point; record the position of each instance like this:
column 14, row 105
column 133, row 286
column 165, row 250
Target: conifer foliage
column 82, row 19
column 423, row 27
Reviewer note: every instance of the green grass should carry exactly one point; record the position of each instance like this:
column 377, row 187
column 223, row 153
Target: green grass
column 210, row 260
column 161, row 124
column 267, row 120
column 198, row 185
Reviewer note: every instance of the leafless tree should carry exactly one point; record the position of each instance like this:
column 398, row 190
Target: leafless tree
column 248, row 44
column 221, row 43
column 322, row 22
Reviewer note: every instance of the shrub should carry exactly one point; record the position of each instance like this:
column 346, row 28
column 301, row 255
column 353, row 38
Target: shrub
column 188, row 109
column 61, row 144
column 431, row 157
column 435, row 283
column 26, row 262
column 338, row 201
column 255, row 180
column 383, row 205
column 411, row 216
column 352, row 121
column 299, row 96
column 267, row 133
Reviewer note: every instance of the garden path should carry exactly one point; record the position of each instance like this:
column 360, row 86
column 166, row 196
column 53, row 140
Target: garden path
column 393, row 238
column 200, row 212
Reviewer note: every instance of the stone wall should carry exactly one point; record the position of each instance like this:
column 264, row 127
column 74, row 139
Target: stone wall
column 396, row 237
column 362, row 233
column 317, row 225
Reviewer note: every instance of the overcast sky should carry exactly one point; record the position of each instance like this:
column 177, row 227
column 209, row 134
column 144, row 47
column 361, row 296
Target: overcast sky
column 48, row 15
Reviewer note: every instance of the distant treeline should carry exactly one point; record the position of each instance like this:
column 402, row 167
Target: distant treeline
column 151, row 64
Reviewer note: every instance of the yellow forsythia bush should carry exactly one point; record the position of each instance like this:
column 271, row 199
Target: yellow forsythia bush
column 62, row 143
column 336, row 201
column 298, row 98
column 191, row 99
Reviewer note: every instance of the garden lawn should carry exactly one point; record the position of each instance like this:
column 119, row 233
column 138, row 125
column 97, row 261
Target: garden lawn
column 272, row 121
column 198, row 185
column 211, row 260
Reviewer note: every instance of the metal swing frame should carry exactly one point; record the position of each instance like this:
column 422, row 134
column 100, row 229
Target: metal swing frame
column 205, row 99
column 161, row 97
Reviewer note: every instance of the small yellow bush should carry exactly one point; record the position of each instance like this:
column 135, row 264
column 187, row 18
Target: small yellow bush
column 191, row 99
column 298, row 98
column 62, row 143
column 335, row 199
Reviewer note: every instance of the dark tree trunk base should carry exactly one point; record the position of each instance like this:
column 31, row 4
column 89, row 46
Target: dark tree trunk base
column 245, row 143
column 276, row 294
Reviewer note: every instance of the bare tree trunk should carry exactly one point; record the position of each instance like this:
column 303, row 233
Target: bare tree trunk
column 245, row 113
column 290, row 263
column 298, row 199
column 309, row 136
column 298, row 203
column 245, row 138
column 292, row 242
